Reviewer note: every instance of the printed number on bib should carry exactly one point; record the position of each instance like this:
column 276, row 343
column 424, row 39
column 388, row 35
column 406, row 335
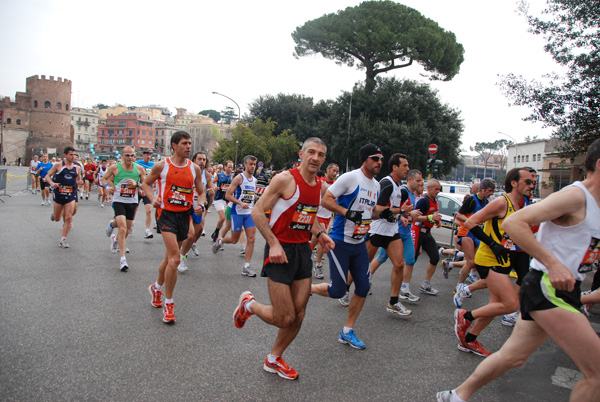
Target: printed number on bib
column 127, row 191
column 507, row 242
column 361, row 229
column 304, row 216
column 65, row 190
column 247, row 196
column 180, row 196
column 592, row 255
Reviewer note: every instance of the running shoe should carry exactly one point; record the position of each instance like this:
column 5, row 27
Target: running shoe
column 241, row 314
column 102, row 205
column 318, row 271
column 44, row 202
column 195, row 250
column 63, row 244
column 444, row 396
column 156, row 296
column 182, row 267
column 473, row 277
column 408, row 296
column 87, row 197
column 124, row 266
column 243, row 249
column 203, row 233
column 461, row 295
column 279, row 367
column 114, row 245
column 168, row 314
column 109, row 229
column 441, row 252
column 214, row 236
column 474, row 347
column 217, row 246
column 148, row 234
column 585, row 308
column 248, row 272
column 351, row 339
column 461, row 324
column 398, row 308
column 345, row 300
column 52, row 216
column 510, row 319
column 446, row 268
column 428, row 290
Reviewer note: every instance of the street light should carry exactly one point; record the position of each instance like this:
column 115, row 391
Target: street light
column 238, row 131
column 516, row 146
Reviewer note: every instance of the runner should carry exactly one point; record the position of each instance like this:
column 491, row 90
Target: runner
column 293, row 196
column 43, row 168
column 101, row 171
column 147, row 164
column 324, row 217
column 174, row 204
column 200, row 160
column 33, row 173
column 68, row 176
column 492, row 261
column 222, row 183
column 122, row 181
column 567, row 244
column 352, row 198
column 89, row 172
column 241, row 193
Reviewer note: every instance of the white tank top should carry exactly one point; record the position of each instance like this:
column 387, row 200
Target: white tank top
column 577, row 246
column 245, row 193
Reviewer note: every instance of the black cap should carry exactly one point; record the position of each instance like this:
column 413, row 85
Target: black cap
column 240, row 166
column 368, row 150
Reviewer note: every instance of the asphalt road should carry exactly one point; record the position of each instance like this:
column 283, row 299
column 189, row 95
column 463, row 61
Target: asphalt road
column 73, row 327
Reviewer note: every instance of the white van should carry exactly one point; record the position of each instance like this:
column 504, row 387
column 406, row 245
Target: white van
column 455, row 188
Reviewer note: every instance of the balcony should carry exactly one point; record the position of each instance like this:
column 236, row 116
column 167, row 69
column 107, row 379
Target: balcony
column 83, row 123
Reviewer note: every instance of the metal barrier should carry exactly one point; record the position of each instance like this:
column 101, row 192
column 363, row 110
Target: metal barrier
column 3, row 182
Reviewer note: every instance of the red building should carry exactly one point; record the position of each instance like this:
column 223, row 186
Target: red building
column 132, row 129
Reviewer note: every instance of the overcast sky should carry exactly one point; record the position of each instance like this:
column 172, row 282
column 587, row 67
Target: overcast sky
column 176, row 53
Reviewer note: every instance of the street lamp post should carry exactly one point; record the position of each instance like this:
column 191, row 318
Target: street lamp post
column 238, row 131
column 516, row 147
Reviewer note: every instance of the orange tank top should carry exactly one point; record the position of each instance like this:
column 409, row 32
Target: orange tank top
column 175, row 186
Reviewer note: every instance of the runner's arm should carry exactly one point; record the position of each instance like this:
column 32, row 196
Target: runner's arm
column 237, row 180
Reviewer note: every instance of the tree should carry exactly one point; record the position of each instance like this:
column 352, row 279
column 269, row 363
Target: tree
column 487, row 149
column 213, row 114
column 380, row 36
column 291, row 112
column 257, row 139
column 570, row 103
column 100, row 106
column 399, row 115
column 228, row 114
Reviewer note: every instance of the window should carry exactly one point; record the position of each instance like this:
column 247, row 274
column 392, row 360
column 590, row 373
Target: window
column 18, row 122
column 539, row 157
column 120, row 132
column 447, row 206
column 58, row 105
column 67, row 106
column 8, row 121
column 143, row 142
column 533, row 160
column 35, row 103
column 47, row 104
column 519, row 159
column 110, row 141
column 527, row 158
column 111, row 132
column 131, row 133
column 515, row 160
column 143, row 132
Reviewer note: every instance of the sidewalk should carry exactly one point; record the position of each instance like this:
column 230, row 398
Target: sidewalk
column 16, row 180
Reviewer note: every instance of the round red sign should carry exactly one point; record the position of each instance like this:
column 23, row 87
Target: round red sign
column 433, row 149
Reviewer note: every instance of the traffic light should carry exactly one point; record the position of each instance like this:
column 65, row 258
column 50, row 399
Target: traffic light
column 436, row 166
column 429, row 165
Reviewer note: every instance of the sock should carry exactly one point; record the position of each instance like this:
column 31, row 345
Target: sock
column 450, row 264
column 246, row 265
column 467, row 290
column 469, row 316
column 426, row 284
column 460, row 254
column 271, row 358
column 123, row 259
column 346, row 330
column 167, row 301
column 454, row 397
column 405, row 287
column 248, row 306
column 63, row 238
column 393, row 300
column 157, row 286
column 193, row 244
column 470, row 337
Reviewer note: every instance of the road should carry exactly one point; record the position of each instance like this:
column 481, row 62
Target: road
column 76, row 328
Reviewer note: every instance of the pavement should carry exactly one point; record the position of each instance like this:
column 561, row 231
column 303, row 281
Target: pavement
column 75, row 328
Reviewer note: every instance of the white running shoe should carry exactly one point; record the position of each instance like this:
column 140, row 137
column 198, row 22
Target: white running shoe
column 124, row 266
column 63, row 244
column 114, row 244
column 398, row 308
column 182, row 267
column 148, row 234
column 195, row 250
column 345, row 300
column 248, row 272
column 408, row 296
column 243, row 249
column 109, row 229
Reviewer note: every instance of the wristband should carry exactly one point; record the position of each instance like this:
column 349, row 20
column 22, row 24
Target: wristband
column 106, row 186
column 430, row 218
column 320, row 233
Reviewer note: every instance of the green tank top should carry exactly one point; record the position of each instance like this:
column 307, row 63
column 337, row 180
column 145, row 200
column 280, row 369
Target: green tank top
column 125, row 192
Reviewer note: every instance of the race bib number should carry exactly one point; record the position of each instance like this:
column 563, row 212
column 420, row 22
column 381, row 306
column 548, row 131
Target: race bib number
column 304, row 216
column 65, row 190
column 247, row 196
column 507, row 243
column 127, row 191
column 591, row 256
column 180, row 196
column 361, row 229
column 225, row 186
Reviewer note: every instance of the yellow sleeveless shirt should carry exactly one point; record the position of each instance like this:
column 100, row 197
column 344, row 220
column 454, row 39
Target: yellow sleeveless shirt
column 493, row 228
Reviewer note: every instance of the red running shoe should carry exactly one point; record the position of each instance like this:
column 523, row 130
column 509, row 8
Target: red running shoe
column 474, row 347
column 156, row 296
column 461, row 324
column 279, row 367
column 240, row 314
column 168, row 315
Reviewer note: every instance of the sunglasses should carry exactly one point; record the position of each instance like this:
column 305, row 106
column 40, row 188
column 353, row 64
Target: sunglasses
column 129, row 155
column 376, row 158
column 529, row 182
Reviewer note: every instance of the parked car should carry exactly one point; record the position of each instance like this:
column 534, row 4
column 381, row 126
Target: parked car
column 449, row 204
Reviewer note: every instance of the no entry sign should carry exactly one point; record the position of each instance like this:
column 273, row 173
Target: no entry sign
column 433, row 149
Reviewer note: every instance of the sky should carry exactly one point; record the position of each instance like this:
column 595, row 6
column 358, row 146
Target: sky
column 176, row 53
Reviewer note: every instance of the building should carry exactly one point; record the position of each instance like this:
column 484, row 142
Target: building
column 85, row 126
column 38, row 120
column 130, row 128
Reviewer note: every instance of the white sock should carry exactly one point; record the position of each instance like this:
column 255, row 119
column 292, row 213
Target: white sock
column 467, row 290
column 460, row 254
column 157, row 286
column 405, row 287
column 193, row 244
column 346, row 330
column 246, row 265
column 451, row 264
column 426, row 284
column 248, row 305
column 123, row 259
column 63, row 238
column 167, row 301
column 271, row 358
column 454, row 397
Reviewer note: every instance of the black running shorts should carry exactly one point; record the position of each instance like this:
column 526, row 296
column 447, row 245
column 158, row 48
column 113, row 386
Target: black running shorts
column 299, row 264
column 174, row 222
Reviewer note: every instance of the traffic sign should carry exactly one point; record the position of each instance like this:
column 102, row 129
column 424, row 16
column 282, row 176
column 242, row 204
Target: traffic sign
column 433, row 149
column 260, row 164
